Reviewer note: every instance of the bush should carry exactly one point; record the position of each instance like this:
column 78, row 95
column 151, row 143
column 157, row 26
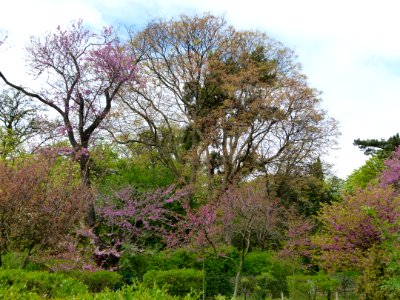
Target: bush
column 97, row 281
column 219, row 271
column 17, row 293
column 41, row 200
column 134, row 265
column 41, row 283
column 19, row 260
column 137, row 291
column 310, row 285
column 178, row 281
column 271, row 271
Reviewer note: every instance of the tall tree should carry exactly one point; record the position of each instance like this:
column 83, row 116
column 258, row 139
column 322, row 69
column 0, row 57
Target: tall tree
column 271, row 115
column 222, row 101
column 174, row 64
column 82, row 73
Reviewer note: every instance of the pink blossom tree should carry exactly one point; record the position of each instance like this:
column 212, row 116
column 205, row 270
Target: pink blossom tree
column 82, row 73
column 240, row 217
column 353, row 227
column 128, row 217
column 391, row 175
column 349, row 230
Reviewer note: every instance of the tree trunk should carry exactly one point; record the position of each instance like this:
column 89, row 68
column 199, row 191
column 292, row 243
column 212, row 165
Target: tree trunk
column 237, row 278
column 85, row 169
column 329, row 295
column 85, row 177
column 193, row 153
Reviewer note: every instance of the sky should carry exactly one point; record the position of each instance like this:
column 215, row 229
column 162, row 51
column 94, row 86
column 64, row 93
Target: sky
column 349, row 49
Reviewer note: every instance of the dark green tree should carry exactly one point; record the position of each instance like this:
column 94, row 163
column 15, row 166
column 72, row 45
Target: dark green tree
column 306, row 188
column 380, row 147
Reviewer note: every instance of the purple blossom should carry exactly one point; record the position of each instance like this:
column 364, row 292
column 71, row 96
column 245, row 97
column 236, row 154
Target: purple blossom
column 130, row 213
column 391, row 175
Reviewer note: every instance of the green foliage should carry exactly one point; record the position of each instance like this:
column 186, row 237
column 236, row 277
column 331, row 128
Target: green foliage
column 391, row 288
column 138, row 291
column 9, row 144
column 99, row 280
column 41, row 283
column 347, row 281
column 365, row 175
column 32, row 286
column 17, row 293
column 256, row 286
column 178, row 259
column 219, row 271
column 307, row 189
column 380, row 278
column 113, row 170
column 177, row 281
column 269, row 271
column 310, row 285
column 134, row 265
column 381, row 148
column 373, row 275
column 19, row 260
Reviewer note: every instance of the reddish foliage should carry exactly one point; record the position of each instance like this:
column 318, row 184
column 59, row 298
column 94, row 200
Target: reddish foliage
column 40, row 202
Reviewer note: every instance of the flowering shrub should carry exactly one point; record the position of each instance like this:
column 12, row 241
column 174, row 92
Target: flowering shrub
column 131, row 217
column 350, row 229
column 391, row 175
column 41, row 200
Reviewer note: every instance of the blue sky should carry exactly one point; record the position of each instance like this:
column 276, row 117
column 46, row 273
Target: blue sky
column 350, row 50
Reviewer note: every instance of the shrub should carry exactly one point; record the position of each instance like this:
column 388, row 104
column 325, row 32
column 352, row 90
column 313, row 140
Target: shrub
column 310, row 285
column 137, row 291
column 41, row 283
column 99, row 280
column 177, row 281
column 271, row 271
column 41, row 200
column 17, row 293
column 19, row 260
column 219, row 271
column 134, row 265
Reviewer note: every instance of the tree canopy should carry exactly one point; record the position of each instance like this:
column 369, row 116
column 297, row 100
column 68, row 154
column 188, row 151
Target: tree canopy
column 380, row 147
